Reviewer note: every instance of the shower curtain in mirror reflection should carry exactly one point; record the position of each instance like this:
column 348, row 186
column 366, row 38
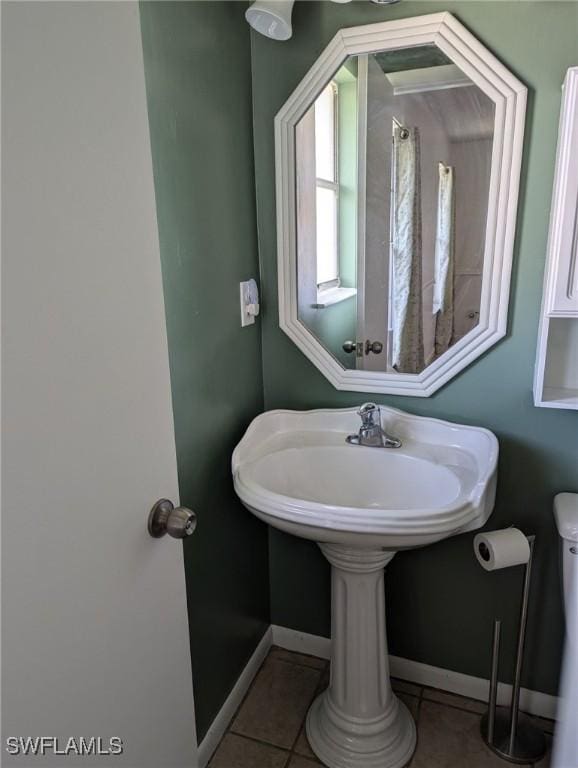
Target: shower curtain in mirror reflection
column 407, row 322
column 443, row 299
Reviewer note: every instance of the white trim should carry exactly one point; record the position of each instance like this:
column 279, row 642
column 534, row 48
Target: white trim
column 362, row 90
column 562, row 283
column 330, row 296
column 560, row 299
column 221, row 722
column 428, row 79
column 534, row 702
column 301, row 642
column 509, row 97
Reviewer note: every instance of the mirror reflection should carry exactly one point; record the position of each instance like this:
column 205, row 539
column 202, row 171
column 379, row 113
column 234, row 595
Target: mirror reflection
column 392, row 181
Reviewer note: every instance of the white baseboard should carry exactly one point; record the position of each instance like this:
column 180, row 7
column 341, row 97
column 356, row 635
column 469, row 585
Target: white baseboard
column 534, row 702
column 301, row 642
column 225, row 714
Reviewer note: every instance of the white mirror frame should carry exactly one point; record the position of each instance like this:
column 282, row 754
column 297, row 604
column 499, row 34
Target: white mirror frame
column 509, row 97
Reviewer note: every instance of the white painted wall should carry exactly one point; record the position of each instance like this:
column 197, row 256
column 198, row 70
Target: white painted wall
column 472, row 161
column 95, row 634
column 380, row 113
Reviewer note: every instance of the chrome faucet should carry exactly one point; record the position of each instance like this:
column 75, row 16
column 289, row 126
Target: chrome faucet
column 371, row 433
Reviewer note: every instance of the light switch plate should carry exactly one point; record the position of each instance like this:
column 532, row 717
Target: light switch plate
column 249, row 294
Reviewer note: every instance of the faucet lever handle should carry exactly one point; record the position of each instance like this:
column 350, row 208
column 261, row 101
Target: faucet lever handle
column 369, row 412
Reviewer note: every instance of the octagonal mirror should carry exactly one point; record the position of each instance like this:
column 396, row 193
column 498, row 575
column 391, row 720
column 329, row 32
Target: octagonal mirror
column 398, row 160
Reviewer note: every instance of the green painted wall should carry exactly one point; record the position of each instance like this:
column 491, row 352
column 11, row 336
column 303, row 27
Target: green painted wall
column 440, row 602
column 197, row 62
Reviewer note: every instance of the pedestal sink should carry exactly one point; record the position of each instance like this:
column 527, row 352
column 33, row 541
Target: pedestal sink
column 295, row 471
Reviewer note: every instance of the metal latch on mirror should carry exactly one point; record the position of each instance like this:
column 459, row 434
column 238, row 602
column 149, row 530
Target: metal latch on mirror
column 357, row 346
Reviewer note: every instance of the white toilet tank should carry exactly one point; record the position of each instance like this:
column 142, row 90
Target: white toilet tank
column 565, row 751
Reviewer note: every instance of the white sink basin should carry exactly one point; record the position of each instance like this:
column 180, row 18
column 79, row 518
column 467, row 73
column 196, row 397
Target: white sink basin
column 361, row 504
column 295, row 470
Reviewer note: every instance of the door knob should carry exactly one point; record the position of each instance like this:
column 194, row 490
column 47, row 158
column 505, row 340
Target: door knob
column 164, row 517
column 373, row 346
column 353, row 346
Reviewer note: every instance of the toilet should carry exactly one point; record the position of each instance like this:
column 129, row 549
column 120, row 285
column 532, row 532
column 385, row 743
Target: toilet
column 565, row 749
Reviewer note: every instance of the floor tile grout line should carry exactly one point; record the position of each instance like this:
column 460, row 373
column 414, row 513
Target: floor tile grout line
column 465, row 709
column 287, row 660
column 453, row 706
column 229, row 728
column 262, row 742
column 254, row 680
column 418, row 713
column 298, row 664
column 247, row 692
column 316, row 693
column 290, row 750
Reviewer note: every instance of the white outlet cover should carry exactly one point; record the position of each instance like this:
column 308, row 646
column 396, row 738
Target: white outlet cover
column 249, row 295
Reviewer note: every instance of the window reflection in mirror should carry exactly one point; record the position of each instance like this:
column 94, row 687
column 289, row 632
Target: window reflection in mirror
column 392, row 181
column 327, row 187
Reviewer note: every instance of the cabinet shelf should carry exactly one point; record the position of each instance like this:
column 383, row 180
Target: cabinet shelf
column 561, row 397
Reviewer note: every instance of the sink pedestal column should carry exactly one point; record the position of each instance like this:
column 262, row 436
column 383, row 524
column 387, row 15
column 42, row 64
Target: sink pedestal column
column 358, row 722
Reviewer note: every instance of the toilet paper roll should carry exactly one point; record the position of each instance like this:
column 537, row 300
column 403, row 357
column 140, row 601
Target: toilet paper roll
column 501, row 549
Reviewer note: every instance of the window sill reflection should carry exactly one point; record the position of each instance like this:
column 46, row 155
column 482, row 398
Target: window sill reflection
column 330, row 296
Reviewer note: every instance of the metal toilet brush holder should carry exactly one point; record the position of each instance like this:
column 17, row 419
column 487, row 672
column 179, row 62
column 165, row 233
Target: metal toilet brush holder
column 511, row 735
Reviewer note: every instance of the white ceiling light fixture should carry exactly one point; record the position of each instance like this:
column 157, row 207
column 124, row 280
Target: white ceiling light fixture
column 271, row 18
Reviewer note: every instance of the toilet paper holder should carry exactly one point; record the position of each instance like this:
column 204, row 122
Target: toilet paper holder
column 512, row 736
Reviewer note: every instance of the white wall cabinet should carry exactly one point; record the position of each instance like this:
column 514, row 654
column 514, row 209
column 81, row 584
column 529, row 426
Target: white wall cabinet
column 556, row 375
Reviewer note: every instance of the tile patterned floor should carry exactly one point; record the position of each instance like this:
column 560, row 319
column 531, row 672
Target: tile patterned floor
column 268, row 729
